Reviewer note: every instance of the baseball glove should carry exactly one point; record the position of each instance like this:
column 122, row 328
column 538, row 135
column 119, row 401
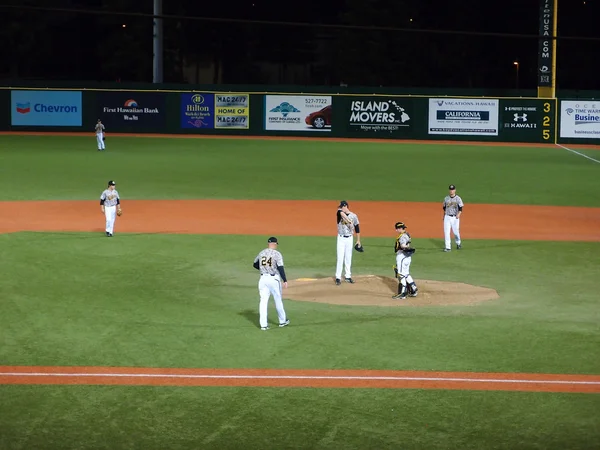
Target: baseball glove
column 119, row 212
column 410, row 251
column 359, row 248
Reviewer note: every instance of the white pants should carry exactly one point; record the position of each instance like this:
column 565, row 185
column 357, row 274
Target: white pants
column 111, row 214
column 454, row 224
column 403, row 264
column 100, row 140
column 270, row 285
column 344, row 256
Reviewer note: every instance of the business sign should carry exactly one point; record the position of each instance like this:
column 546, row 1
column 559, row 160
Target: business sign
column 132, row 111
column 46, row 108
column 298, row 112
column 527, row 120
column 197, row 110
column 376, row 115
column 546, row 43
column 232, row 111
column 456, row 116
column 580, row 119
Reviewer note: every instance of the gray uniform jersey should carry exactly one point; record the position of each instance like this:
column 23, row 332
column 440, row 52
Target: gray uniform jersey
column 346, row 229
column 268, row 261
column 404, row 239
column 99, row 128
column 451, row 205
column 110, row 197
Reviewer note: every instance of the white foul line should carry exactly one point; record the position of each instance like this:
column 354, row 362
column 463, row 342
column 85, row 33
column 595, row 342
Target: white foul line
column 293, row 377
column 580, row 154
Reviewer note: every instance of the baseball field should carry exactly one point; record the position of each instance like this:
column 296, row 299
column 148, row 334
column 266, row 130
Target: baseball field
column 150, row 339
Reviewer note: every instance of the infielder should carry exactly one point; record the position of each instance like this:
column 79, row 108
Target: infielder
column 270, row 264
column 453, row 206
column 100, row 135
column 347, row 225
column 404, row 252
column 110, row 205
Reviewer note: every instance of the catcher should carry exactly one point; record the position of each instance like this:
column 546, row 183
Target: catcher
column 404, row 252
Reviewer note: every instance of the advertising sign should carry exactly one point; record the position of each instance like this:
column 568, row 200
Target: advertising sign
column 298, row 112
column 372, row 115
column 46, row 108
column 132, row 111
column 546, row 43
column 527, row 120
column 456, row 116
column 197, row 110
column 580, row 119
column 232, row 111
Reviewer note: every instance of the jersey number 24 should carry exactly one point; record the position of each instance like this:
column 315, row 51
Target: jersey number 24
column 266, row 262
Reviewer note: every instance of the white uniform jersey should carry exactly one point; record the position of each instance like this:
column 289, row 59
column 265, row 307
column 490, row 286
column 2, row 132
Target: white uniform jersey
column 110, row 197
column 451, row 205
column 99, row 128
column 268, row 261
column 347, row 229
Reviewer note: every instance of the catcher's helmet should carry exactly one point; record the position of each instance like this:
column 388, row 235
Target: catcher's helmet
column 400, row 225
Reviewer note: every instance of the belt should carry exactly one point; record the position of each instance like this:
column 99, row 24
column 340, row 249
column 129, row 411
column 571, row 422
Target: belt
column 451, row 215
column 265, row 274
column 341, row 235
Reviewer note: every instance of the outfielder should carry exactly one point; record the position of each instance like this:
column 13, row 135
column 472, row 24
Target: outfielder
column 270, row 264
column 110, row 205
column 453, row 206
column 404, row 252
column 100, row 135
column 347, row 225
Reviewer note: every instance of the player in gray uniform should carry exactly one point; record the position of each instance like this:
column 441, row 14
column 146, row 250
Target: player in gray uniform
column 100, row 135
column 404, row 252
column 453, row 206
column 347, row 225
column 110, row 204
column 270, row 264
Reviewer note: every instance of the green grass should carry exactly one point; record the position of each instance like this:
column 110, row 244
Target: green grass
column 55, row 168
column 163, row 300
column 191, row 301
column 109, row 417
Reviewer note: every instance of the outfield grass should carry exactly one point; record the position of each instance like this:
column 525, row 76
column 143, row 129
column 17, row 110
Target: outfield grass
column 191, row 301
column 69, row 168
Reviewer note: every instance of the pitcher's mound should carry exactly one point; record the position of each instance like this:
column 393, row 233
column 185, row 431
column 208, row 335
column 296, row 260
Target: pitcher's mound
column 374, row 290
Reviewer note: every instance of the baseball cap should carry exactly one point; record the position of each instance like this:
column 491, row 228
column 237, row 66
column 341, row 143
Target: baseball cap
column 400, row 225
column 451, row 187
column 343, row 203
column 272, row 239
column 112, row 183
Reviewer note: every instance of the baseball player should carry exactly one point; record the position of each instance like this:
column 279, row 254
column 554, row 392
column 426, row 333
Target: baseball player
column 404, row 252
column 100, row 135
column 110, row 205
column 270, row 264
column 347, row 225
column 453, row 206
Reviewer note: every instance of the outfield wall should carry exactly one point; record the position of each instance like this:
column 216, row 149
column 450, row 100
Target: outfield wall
column 323, row 114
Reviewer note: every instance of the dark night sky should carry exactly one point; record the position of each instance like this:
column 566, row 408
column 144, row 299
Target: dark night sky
column 473, row 61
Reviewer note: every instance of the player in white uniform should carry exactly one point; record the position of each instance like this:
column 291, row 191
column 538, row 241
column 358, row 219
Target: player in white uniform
column 110, row 204
column 404, row 252
column 453, row 206
column 347, row 225
column 270, row 264
column 100, row 135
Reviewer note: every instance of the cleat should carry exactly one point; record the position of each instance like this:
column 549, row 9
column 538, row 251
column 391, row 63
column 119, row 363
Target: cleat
column 349, row 280
column 284, row 324
column 458, row 246
column 337, row 282
column 399, row 296
column 446, row 249
column 264, row 328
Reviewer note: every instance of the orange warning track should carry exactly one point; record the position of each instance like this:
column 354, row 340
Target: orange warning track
column 380, row 379
column 480, row 221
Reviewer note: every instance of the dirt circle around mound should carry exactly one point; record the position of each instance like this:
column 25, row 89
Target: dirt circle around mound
column 374, row 290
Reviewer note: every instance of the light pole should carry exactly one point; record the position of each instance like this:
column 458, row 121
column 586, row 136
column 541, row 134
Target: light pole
column 516, row 64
